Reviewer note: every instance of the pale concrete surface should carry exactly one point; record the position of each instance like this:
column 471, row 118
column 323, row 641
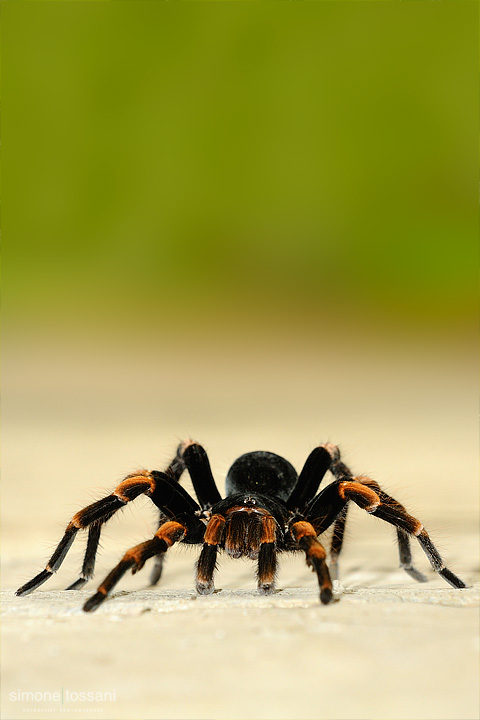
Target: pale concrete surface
column 390, row 649
column 387, row 649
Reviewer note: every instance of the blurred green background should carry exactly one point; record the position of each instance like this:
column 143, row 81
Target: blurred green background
column 252, row 162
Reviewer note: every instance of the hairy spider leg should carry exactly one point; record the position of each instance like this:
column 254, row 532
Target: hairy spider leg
column 88, row 565
column 135, row 558
column 199, row 469
column 405, row 556
column 175, row 471
column 183, row 524
column 267, row 556
column 192, row 456
column 93, row 517
column 95, row 514
column 312, row 474
column 198, row 466
column 382, row 506
column 157, row 569
column 403, row 539
column 185, row 506
column 341, row 472
column 207, row 561
column 305, row 536
column 337, row 541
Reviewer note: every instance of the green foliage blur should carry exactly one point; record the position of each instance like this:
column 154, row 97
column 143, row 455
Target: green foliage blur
column 225, row 157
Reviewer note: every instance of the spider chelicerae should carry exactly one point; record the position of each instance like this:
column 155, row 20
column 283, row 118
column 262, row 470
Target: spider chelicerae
column 268, row 509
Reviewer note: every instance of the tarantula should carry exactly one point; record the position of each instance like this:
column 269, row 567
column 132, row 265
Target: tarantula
column 268, row 509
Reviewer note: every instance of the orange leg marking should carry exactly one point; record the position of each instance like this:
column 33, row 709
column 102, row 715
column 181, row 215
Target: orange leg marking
column 370, row 501
column 171, row 532
column 306, row 537
column 207, row 560
column 351, row 488
column 136, row 554
column 214, row 531
column 143, row 476
column 301, row 529
column 268, row 529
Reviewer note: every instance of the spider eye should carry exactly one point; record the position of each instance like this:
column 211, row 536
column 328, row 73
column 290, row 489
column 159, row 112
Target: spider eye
column 249, row 500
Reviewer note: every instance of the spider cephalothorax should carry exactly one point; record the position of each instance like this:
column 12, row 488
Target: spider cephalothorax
column 268, row 509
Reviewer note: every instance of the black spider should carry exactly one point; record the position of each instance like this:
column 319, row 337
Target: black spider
column 268, row 509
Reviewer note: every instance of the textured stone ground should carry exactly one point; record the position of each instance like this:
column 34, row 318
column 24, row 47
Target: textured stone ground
column 389, row 648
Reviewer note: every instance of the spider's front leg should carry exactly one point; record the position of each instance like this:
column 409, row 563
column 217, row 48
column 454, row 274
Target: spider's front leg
column 198, row 465
column 403, row 540
column 388, row 509
column 365, row 493
column 267, row 556
column 207, row 561
column 135, row 558
column 174, row 502
column 341, row 472
column 93, row 517
column 305, row 535
column 174, row 471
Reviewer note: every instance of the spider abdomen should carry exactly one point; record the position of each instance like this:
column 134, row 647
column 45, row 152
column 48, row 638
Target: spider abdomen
column 261, row 472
